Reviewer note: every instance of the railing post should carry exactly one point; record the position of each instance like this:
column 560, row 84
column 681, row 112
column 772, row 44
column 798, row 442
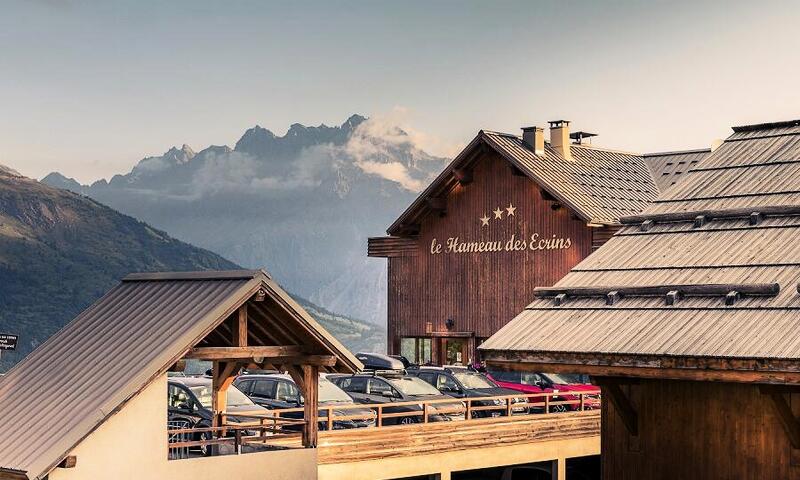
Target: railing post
column 582, row 402
column 547, row 403
column 237, row 441
column 469, row 410
column 330, row 418
column 425, row 413
column 508, row 407
column 379, row 418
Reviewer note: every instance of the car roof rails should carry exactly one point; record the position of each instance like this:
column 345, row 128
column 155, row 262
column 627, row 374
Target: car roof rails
column 385, row 373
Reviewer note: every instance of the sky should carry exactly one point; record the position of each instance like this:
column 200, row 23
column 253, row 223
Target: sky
column 90, row 88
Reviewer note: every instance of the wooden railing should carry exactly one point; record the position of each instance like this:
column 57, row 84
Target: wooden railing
column 468, row 408
column 274, row 426
column 257, row 433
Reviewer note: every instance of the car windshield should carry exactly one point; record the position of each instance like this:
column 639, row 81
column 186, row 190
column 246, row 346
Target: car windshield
column 523, row 378
column 328, row 392
column 564, row 378
column 414, row 386
column 235, row 396
column 473, row 380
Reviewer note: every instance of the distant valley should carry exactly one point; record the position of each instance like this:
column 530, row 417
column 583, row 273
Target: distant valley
column 302, row 205
column 59, row 252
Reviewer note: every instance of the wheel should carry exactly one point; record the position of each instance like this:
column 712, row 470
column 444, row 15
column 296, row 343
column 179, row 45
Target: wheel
column 407, row 421
column 206, row 450
column 558, row 409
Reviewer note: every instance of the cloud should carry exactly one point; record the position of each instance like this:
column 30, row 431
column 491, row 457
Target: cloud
column 394, row 171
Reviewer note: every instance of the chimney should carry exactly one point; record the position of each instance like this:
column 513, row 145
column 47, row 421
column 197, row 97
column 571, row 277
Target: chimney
column 559, row 137
column 533, row 138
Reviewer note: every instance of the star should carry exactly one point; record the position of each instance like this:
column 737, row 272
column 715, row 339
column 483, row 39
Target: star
column 484, row 220
column 498, row 214
column 511, row 209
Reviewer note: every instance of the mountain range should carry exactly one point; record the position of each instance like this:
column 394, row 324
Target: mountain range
column 302, row 205
column 60, row 251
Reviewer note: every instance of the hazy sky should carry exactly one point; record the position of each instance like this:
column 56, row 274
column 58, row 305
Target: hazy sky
column 90, row 88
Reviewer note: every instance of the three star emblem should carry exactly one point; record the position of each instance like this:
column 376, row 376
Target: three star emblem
column 510, row 211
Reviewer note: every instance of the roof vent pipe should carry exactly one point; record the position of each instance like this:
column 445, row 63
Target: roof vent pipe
column 533, row 138
column 559, row 137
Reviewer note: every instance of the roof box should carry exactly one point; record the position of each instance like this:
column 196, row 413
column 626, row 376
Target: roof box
column 378, row 361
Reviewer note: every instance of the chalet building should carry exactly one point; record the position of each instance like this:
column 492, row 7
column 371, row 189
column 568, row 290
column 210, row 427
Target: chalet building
column 509, row 213
column 688, row 318
column 92, row 401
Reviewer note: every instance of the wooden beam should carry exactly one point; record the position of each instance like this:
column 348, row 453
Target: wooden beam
column 463, row 175
column 311, row 406
column 318, row 360
column 694, row 373
column 296, row 374
column 221, row 379
column 232, row 353
column 240, row 327
column 784, row 413
column 69, row 462
column 437, row 204
column 707, row 289
column 622, row 405
column 691, row 216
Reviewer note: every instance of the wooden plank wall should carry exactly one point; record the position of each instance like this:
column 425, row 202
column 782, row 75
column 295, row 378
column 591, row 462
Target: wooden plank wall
column 698, row 430
column 481, row 291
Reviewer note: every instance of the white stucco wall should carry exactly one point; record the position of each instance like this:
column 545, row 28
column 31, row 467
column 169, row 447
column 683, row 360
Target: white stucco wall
column 132, row 444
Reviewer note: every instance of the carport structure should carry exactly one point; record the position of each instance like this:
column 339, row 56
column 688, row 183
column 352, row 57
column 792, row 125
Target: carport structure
column 105, row 373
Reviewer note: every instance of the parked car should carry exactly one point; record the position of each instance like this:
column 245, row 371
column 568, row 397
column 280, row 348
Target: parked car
column 278, row 391
column 534, row 382
column 462, row 382
column 189, row 403
column 388, row 388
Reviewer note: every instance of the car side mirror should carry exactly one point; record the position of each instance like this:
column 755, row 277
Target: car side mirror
column 185, row 407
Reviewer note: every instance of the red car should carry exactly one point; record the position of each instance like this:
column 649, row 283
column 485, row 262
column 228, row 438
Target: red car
column 567, row 386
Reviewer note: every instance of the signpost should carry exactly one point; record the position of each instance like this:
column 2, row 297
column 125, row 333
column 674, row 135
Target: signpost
column 8, row 342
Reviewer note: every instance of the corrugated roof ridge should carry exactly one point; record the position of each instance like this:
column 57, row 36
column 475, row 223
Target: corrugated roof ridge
column 766, row 126
column 242, row 274
column 677, row 152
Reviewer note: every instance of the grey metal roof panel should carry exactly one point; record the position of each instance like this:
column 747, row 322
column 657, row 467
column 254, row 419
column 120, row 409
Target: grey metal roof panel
column 87, row 371
column 677, row 332
column 669, row 168
column 751, row 169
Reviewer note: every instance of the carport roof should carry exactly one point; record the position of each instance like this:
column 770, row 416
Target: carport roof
column 86, row 372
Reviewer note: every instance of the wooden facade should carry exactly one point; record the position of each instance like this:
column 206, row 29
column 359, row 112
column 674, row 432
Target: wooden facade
column 699, row 430
column 458, row 299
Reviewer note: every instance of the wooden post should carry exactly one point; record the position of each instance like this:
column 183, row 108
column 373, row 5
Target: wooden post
column 508, row 407
column 240, row 327
column 330, row 418
column 379, row 419
column 311, row 408
column 424, row 413
column 221, row 379
column 468, row 415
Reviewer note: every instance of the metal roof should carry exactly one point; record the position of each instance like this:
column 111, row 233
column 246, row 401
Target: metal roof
column 87, row 371
column 669, row 168
column 755, row 167
column 599, row 185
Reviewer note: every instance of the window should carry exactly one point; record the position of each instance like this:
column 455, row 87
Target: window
column 177, row 398
column 428, row 377
column 447, row 383
column 264, row 389
column 379, row 387
column 353, row 384
column 287, row 392
column 416, row 349
column 244, row 386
